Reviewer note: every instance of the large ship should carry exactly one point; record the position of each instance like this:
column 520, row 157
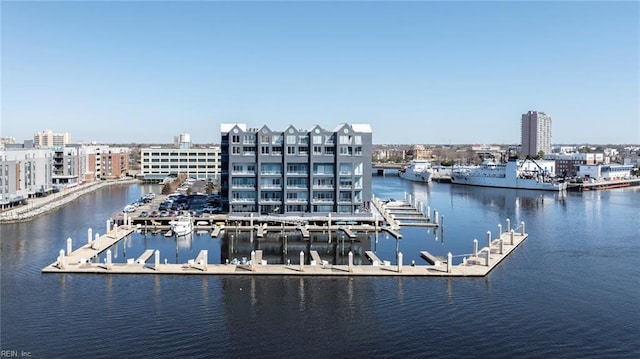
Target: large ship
column 417, row 170
column 510, row 174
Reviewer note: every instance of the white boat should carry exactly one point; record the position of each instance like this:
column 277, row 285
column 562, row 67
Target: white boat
column 511, row 174
column 417, row 170
column 182, row 225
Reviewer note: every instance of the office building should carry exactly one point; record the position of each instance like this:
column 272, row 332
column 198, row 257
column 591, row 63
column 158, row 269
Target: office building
column 296, row 171
column 536, row 133
column 156, row 163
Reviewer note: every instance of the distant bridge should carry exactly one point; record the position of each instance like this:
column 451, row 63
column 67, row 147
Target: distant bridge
column 387, row 166
column 381, row 167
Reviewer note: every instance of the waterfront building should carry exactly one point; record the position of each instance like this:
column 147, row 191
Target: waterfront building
column 567, row 163
column 156, row 163
column 50, row 139
column 605, row 171
column 296, row 171
column 24, row 173
column 69, row 165
column 97, row 155
column 536, row 133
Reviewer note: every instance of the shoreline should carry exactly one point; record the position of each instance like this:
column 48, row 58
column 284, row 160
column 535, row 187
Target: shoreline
column 36, row 207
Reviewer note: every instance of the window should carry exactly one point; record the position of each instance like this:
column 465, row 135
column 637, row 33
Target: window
column 249, row 139
column 235, row 139
column 291, row 150
column 291, row 139
column 264, row 150
column 317, row 140
column 264, row 139
column 317, row 150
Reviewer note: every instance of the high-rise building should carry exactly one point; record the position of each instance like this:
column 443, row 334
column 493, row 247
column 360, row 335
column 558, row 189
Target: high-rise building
column 536, row 133
column 295, row 171
column 48, row 138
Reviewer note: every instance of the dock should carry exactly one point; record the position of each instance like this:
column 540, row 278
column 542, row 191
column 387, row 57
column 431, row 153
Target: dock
column 478, row 264
column 347, row 231
column 216, row 231
column 145, row 256
column 316, row 258
column 374, row 258
column 433, row 260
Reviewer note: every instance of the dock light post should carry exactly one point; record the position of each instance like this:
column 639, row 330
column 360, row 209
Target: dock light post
column 115, row 229
column 501, row 246
column 69, row 242
column 61, row 259
column 96, row 242
column 350, row 261
column 488, row 252
column 89, row 235
column 126, row 217
column 400, row 262
column 508, row 225
column 108, row 226
column 301, row 260
column 435, row 216
column 109, row 259
column 499, row 230
column 475, row 248
column 522, row 226
column 511, row 237
column 156, row 255
column 449, row 260
column 489, row 240
column 428, row 213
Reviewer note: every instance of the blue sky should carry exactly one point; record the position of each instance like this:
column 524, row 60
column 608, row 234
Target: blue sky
column 418, row 72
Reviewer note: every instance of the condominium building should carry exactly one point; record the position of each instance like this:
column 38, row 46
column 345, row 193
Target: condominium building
column 50, row 139
column 296, row 171
column 536, row 133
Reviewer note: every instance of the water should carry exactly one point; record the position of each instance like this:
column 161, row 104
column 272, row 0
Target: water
column 571, row 290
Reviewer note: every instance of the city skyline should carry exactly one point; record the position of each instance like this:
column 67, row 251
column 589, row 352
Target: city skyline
column 425, row 72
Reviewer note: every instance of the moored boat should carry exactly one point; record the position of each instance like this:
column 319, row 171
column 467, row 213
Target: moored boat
column 512, row 174
column 182, row 225
column 417, row 170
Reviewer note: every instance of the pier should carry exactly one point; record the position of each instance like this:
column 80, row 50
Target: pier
column 479, row 263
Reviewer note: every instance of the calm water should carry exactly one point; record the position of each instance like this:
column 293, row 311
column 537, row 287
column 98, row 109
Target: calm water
column 572, row 290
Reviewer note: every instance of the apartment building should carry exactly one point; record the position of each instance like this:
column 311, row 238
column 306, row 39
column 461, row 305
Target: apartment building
column 296, row 171
column 535, row 133
column 24, row 173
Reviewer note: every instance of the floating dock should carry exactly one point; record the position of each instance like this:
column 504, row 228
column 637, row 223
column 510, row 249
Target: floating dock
column 477, row 264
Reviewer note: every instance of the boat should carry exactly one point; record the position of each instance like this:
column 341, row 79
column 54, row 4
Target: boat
column 510, row 174
column 417, row 170
column 182, row 225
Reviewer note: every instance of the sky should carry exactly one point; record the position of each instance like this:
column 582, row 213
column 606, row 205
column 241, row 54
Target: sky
column 419, row 71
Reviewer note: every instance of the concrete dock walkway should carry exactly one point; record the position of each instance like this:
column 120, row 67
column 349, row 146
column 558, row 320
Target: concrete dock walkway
column 478, row 264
